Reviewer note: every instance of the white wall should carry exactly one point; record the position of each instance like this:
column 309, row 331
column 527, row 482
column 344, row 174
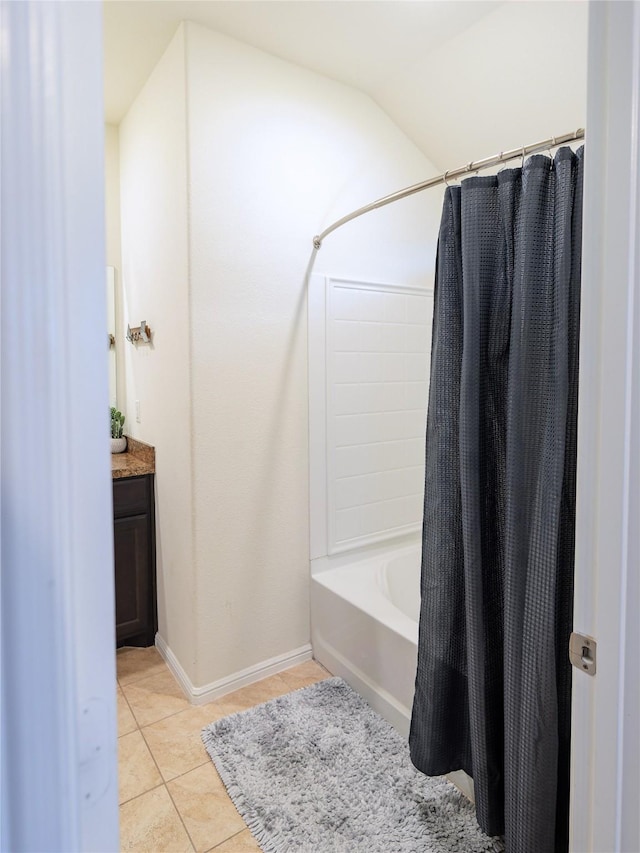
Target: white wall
column 112, row 194
column 275, row 153
column 514, row 77
column 155, row 269
column 222, row 191
column 114, row 252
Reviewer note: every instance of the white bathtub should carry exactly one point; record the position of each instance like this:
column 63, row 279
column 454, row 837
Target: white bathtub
column 364, row 625
column 364, row 628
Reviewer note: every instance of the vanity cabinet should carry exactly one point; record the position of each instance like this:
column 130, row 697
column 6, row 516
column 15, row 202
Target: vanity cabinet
column 135, row 560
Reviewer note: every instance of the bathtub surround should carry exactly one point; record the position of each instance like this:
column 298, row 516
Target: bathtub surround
column 369, row 358
column 317, row 769
column 231, row 160
column 368, row 366
column 493, row 686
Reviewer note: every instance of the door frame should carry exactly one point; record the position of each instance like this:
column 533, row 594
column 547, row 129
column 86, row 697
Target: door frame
column 59, row 782
column 605, row 755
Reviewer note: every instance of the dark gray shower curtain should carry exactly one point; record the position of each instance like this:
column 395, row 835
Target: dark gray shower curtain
column 493, row 686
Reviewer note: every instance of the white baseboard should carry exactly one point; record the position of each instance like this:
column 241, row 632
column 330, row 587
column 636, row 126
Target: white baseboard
column 175, row 666
column 216, row 689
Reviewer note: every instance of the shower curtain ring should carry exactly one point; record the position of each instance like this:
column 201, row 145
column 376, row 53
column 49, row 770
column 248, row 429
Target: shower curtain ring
column 444, row 177
column 523, row 155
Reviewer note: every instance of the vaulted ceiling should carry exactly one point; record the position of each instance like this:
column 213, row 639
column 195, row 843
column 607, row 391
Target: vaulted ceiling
column 462, row 79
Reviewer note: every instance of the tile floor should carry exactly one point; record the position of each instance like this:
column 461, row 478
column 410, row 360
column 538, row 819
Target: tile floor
column 171, row 797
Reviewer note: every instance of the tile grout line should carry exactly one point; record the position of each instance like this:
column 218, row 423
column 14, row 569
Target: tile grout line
column 193, row 844
column 155, row 788
column 135, row 719
column 186, row 772
column 161, row 719
column 180, row 775
column 160, row 784
column 190, row 706
column 139, row 677
column 142, row 794
column 165, row 784
column 172, row 714
column 153, row 758
column 211, row 849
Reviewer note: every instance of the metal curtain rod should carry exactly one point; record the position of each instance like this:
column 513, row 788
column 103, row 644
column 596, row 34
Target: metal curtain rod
column 473, row 166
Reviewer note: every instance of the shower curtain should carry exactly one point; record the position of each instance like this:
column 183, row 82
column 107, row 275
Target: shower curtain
column 493, row 685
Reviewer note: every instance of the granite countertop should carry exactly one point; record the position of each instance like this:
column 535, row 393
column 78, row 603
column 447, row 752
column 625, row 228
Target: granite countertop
column 139, row 458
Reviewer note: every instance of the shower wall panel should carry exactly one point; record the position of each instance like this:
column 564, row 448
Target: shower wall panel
column 375, row 349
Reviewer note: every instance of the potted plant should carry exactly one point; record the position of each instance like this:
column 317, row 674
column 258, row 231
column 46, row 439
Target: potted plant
column 118, row 440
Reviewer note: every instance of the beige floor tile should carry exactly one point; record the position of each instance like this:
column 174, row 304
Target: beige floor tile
column 175, row 742
column 137, row 769
column 247, row 697
column 151, row 824
column 153, row 698
column 244, row 842
column 304, row 674
column 205, row 807
column 126, row 720
column 133, row 664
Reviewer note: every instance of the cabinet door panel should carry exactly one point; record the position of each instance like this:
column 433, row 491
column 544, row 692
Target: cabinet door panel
column 130, row 496
column 132, row 581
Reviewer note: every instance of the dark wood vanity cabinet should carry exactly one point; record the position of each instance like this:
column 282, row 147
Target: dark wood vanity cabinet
column 135, row 560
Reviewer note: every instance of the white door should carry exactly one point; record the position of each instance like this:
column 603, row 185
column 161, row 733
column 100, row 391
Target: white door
column 605, row 787
column 59, row 781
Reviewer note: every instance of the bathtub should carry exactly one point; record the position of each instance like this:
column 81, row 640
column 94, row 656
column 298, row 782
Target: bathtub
column 364, row 624
column 364, row 628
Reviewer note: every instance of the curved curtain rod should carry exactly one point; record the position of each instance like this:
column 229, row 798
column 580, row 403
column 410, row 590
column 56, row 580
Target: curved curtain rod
column 473, row 166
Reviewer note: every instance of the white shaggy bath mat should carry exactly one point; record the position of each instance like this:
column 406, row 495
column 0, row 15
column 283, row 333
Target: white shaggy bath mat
column 318, row 771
